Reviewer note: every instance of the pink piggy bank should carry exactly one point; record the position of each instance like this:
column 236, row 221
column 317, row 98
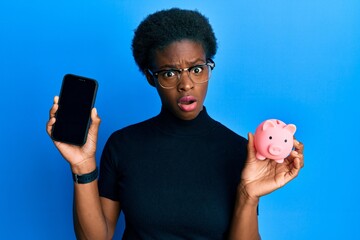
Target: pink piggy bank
column 273, row 139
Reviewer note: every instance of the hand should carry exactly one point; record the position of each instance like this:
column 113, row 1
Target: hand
column 76, row 155
column 261, row 177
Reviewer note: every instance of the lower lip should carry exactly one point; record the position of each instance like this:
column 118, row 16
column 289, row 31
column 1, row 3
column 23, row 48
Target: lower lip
column 188, row 107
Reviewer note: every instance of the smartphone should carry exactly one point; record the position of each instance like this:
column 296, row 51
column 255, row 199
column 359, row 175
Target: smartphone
column 76, row 100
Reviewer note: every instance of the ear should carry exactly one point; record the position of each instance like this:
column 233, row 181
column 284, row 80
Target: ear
column 291, row 128
column 149, row 77
column 268, row 124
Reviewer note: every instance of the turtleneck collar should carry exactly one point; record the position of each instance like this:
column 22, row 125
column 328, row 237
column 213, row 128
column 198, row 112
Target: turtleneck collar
column 169, row 123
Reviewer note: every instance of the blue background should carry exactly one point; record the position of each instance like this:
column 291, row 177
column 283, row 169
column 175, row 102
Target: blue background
column 298, row 61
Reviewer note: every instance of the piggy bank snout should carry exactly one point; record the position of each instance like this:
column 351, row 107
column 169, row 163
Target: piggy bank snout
column 275, row 149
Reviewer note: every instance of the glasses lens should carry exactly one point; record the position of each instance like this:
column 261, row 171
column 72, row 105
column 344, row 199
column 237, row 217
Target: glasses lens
column 200, row 73
column 168, row 78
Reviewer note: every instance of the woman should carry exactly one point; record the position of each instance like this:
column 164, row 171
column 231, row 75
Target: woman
column 180, row 174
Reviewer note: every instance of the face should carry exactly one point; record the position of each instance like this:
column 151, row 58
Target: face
column 186, row 100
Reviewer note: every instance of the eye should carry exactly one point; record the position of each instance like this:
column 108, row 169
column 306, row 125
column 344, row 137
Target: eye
column 270, row 137
column 168, row 74
column 285, row 140
column 197, row 69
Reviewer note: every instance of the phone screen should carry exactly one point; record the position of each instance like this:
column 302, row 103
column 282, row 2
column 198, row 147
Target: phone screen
column 77, row 98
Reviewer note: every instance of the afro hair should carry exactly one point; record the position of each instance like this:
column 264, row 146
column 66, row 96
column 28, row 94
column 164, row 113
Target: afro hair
column 164, row 27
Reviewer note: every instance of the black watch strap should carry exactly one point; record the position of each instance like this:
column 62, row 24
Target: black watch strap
column 86, row 178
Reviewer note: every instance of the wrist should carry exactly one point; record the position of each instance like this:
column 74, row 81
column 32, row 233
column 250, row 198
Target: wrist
column 245, row 198
column 84, row 167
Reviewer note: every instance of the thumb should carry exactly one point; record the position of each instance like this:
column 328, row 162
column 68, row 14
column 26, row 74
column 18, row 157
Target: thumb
column 94, row 115
column 251, row 146
column 95, row 122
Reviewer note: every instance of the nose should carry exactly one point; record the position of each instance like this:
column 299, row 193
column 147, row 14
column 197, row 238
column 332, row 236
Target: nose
column 185, row 82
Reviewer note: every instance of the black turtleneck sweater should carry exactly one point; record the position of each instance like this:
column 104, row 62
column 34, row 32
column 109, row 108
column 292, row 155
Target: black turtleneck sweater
column 174, row 179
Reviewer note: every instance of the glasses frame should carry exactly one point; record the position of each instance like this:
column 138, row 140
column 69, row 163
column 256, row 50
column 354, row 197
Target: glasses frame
column 209, row 62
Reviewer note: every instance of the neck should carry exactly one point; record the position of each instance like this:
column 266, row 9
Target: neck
column 169, row 123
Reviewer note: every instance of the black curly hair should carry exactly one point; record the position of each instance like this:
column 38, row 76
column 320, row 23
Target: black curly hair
column 164, row 27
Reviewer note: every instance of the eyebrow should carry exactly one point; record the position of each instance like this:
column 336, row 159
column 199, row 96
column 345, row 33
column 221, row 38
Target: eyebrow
column 190, row 63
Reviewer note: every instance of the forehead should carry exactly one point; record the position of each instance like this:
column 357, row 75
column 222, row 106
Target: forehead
column 180, row 54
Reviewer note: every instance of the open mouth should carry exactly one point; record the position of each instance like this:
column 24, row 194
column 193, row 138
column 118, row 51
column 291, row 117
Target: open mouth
column 187, row 100
column 187, row 103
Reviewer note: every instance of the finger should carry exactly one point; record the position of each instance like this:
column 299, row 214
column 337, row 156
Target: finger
column 301, row 158
column 294, row 171
column 54, row 107
column 49, row 125
column 52, row 113
column 251, row 146
column 294, row 154
column 299, row 147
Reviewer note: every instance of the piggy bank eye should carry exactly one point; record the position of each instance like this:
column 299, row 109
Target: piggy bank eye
column 270, row 137
column 285, row 140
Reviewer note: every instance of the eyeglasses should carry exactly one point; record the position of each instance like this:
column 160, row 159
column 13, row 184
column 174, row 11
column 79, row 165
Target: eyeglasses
column 170, row 78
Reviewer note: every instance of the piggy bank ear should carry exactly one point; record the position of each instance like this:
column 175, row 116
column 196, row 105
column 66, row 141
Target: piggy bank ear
column 291, row 128
column 268, row 124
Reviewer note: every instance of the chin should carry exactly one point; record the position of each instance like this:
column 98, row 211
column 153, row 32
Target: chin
column 188, row 115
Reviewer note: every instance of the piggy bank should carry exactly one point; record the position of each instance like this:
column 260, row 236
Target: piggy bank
column 273, row 139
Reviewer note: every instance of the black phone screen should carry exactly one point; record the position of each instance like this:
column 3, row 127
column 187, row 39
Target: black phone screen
column 77, row 97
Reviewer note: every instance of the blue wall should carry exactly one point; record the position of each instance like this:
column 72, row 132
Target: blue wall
column 298, row 61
